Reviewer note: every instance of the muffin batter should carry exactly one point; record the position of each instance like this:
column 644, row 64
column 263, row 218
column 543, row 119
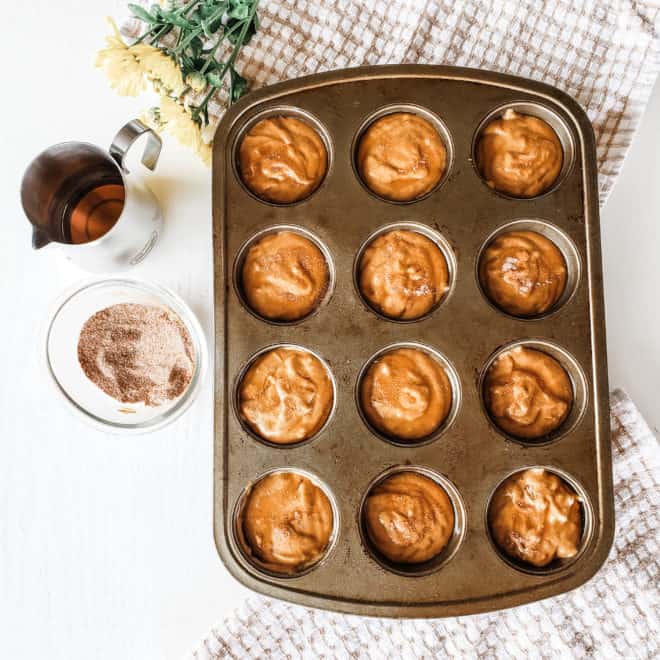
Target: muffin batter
column 403, row 274
column 535, row 516
column 286, row 522
column 406, row 394
column 401, row 157
column 523, row 273
column 284, row 276
column 286, row 395
column 519, row 155
column 282, row 160
column 409, row 518
column 527, row 393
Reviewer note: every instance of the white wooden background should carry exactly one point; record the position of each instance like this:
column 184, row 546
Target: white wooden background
column 106, row 547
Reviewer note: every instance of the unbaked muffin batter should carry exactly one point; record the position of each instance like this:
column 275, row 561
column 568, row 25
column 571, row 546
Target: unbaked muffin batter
column 409, row 517
column 282, row 159
column 401, row 157
column 286, row 395
column 535, row 516
column 519, row 155
column 406, row 394
column 284, row 276
column 286, row 523
column 523, row 273
column 527, row 392
column 403, row 274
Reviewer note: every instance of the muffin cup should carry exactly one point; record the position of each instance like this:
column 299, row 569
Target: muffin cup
column 560, row 240
column 242, row 547
column 558, row 564
column 440, row 241
column 551, row 118
column 454, row 381
column 575, row 375
column 413, row 109
column 283, row 111
column 446, row 554
column 237, row 276
column 237, row 392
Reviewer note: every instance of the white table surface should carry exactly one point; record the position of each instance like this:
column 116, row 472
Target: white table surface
column 106, row 546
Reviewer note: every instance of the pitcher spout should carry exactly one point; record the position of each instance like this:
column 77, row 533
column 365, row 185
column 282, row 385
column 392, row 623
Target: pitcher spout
column 39, row 238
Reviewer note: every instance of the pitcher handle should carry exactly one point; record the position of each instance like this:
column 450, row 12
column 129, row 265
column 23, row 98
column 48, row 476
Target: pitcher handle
column 125, row 138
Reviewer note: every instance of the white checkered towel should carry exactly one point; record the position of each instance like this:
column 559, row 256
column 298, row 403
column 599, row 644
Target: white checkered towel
column 607, row 55
column 604, row 53
column 615, row 615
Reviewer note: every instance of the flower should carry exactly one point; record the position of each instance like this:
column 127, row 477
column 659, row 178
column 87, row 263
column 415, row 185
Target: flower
column 177, row 122
column 159, row 68
column 120, row 65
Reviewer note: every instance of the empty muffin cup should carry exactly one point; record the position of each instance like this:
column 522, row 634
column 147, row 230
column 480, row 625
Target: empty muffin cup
column 404, row 271
column 523, row 150
column 412, row 520
column 533, row 391
column 284, row 274
column 528, row 269
column 282, row 156
column 408, row 393
column 285, row 395
column 402, row 153
column 539, row 520
column 285, row 523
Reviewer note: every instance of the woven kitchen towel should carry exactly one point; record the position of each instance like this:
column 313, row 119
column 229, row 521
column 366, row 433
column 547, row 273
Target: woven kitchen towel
column 615, row 615
column 606, row 54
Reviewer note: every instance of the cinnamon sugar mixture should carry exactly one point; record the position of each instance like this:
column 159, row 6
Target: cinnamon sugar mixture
column 137, row 353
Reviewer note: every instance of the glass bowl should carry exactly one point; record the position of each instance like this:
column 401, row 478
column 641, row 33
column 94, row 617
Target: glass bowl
column 83, row 396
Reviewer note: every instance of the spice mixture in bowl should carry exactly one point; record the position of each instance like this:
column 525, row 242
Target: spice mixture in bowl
column 125, row 354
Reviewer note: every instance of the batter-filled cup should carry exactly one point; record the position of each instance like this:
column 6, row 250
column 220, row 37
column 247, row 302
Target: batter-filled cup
column 528, row 393
column 523, row 273
column 286, row 395
column 285, row 523
column 283, row 275
column 535, row 517
column 401, row 156
column 282, row 159
column 406, row 394
column 519, row 154
column 402, row 274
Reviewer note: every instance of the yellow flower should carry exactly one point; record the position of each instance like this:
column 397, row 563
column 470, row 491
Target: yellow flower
column 120, row 65
column 179, row 123
column 160, row 68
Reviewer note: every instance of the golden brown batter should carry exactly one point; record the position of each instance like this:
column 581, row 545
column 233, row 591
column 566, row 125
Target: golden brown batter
column 401, row 157
column 409, row 518
column 286, row 522
column 519, row 155
column 286, row 395
column 523, row 273
column 406, row 394
column 403, row 274
column 535, row 516
column 284, row 276
column 527, row 393
column 282, row 159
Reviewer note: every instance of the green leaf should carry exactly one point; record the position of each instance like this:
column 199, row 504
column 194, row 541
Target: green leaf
column 214, row 79
column 238, row 85
column 239, row 12
column 179, row 21
column 142, row 14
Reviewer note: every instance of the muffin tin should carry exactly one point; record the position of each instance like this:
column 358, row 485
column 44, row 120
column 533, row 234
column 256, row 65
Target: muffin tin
column 470, row 456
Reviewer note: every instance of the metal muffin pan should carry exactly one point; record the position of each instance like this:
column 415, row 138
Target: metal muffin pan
column 471, row 454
